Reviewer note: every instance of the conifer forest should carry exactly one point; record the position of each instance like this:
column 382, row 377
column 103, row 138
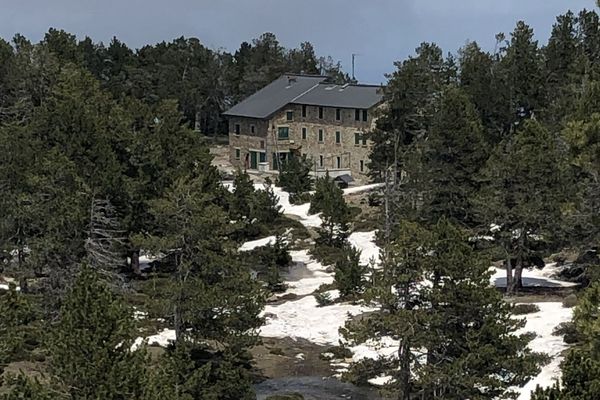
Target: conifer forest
column 136, row 263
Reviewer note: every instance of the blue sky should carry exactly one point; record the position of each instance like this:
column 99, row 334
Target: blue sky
column 379, row 31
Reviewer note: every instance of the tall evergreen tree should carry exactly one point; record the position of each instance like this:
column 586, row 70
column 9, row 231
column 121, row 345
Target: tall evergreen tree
column 90, row 347
column 216, row 304
column 457, row 338
column 523, row 193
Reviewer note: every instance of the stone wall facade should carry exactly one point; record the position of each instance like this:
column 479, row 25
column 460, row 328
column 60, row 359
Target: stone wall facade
column 331, row 137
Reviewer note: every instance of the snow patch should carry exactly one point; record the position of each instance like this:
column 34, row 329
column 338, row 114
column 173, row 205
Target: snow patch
column 542, row 323
column 365, row 242
column 251, row 245
column 532, row 277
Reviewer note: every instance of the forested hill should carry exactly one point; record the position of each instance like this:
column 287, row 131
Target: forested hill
column 204, row 81
column 116, row 225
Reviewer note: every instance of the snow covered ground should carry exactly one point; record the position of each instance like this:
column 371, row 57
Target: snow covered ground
column 365, row 242
column 251, row 245
column 302, row 318
column 542, row 323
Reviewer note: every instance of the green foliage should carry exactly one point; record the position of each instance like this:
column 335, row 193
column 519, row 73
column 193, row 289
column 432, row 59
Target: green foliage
column 323, row 299
column 253, row 210
column 294, row 177
column 524, row 189
column 350, row 274
column 22, row 387
column 215, row 303
column 18, row 331
column 335, row 213
column 90, row 346
column 268, row 260
column 520, row 309
column 434, row 295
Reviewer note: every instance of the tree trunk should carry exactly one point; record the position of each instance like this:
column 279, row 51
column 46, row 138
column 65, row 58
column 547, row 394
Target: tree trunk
column 509, row 276
column 135, row 262
column 404, row 372
column 518, row 281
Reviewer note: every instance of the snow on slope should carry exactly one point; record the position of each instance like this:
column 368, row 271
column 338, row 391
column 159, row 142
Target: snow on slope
column 251, row 245
column 365, row 242
column 542, row 323
column 304, row 319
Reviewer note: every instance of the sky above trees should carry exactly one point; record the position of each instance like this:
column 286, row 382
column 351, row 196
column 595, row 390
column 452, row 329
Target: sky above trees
column 379, row 31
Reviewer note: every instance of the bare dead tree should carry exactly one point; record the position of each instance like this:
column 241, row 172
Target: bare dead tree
column 106, row 240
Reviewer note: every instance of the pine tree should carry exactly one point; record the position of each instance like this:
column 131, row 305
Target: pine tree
column 523, row 193
column 294, row 177
column 350, row 274
column 457, row 338
column 90, row 347
column 215, row 304
column 410, row 92
column 335, row 213
column 444, row 167
column 17, row 328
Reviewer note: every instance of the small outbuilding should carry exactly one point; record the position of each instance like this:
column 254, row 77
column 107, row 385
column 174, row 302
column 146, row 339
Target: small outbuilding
column 343, row 180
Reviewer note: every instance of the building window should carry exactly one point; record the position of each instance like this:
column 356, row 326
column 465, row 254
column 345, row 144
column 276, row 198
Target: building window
column 321, row 136
column 303, row 111
column 303, row 133
column 237, row 154
column 338, row 114
column 237, row 129
column 357, row 115
column 252, row 128
column 289, row 115
column 364, row 115
column 283, row 132
column 362, row 166
column 262, row 157
column 364, row 140
column 320, row 112
column 338, row 161
column 356, row 138
column 321, row 161
column 338, row 137
column 262, row 144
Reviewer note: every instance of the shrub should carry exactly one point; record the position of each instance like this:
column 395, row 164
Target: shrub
column 520, row 309
column 349, row 273
column 323, row 299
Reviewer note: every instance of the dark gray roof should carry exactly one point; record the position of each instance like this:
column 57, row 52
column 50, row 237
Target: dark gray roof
column 305, row 89
column 344, row 178
column 275, row 95
column 342, row 96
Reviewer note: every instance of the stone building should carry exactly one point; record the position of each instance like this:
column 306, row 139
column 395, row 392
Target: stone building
column 303, row 114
